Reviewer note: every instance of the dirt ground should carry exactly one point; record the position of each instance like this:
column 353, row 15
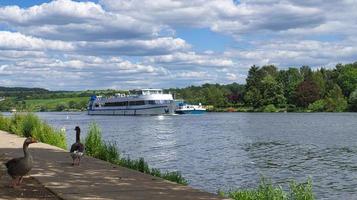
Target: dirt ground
column 30, row 189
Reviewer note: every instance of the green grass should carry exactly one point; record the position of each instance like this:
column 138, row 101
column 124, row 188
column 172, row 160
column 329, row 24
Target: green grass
column 267, row 191
column 97, row 148
column 26, row 125
column 54, row 104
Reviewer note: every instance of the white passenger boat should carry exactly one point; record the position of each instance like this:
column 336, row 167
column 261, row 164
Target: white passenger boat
column 137, row 102
column 185, row 108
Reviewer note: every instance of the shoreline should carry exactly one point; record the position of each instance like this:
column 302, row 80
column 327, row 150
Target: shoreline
column 94, row 179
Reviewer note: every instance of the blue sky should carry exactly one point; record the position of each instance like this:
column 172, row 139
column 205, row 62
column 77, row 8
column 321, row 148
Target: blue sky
column 77, row 45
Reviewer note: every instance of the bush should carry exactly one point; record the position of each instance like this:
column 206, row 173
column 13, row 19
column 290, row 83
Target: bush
column 317, row 106
column 97, row 148
column 270, row 108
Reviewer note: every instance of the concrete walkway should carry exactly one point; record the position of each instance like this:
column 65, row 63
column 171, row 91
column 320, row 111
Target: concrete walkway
column 94, row 179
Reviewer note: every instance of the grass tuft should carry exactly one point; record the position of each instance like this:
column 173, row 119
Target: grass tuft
column 267, row 191
column 26, row 125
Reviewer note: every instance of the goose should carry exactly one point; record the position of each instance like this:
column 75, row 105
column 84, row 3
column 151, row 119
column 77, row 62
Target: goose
column 3, row 169
column 77, row 148
column 19, row 167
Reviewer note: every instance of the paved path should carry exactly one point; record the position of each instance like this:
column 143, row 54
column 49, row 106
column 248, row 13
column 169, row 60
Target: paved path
column 94, row 179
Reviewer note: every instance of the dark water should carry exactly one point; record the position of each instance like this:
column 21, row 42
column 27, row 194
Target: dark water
column 228, row 150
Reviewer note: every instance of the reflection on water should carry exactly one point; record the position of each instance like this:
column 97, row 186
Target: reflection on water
column 227, row 150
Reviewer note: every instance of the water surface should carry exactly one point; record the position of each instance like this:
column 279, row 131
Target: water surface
column 229, row 150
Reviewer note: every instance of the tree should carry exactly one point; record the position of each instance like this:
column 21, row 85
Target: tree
column 215, row 96
column 335, row 101
column 318, row 78
column 353, row 101
column 306, row 72
column 273, row 92
column 306, row 93
column 253, row 97
column 269, row 70
column 289, row 80
column 253, row 77
column 347, row 78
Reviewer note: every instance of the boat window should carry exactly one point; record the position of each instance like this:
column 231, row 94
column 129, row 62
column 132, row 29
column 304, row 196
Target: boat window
column 136, row 103
column 151, row 102
column 122, row 103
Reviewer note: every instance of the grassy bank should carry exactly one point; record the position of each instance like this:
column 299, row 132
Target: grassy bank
column 29, row 124
column 57, row 104
column 96, row 147
column 267, row 191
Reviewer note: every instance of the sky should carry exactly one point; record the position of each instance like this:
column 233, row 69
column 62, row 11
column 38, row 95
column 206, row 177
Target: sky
column 129, row 44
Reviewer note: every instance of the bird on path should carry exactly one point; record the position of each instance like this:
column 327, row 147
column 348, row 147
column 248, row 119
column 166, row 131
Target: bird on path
column 3, row 169
column 77, row 148
column 19, row 167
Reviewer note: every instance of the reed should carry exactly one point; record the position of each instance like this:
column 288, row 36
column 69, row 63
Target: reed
column 98, row 148
column 266, row 190
column 26, row 125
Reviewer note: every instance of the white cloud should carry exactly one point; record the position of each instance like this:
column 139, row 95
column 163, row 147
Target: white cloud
column 133, row 43
column 71, row 20
column 192, row 59
column 16, row 41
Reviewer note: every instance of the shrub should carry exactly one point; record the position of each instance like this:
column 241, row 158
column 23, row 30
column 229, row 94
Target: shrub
column 317, row 106
column 270, row 108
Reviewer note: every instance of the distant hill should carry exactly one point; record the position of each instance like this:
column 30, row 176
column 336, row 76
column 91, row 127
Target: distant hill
column 22, row 89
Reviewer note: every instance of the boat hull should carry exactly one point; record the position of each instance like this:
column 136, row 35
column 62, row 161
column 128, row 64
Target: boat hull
column 159, row 110
column 190, row 111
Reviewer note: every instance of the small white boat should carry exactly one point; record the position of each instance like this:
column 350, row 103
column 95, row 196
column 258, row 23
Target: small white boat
column 137, row 102
column 185, row 108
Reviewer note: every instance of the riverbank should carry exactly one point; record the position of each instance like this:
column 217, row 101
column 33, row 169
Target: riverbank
column 94, row 179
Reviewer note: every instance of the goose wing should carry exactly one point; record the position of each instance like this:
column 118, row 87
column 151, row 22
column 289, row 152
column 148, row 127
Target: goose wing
column 77, row 147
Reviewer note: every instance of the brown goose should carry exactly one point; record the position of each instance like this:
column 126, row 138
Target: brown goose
column 19, row 167
column 77, row 148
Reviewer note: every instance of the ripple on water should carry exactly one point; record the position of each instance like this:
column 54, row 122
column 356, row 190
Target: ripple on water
column 230, row 150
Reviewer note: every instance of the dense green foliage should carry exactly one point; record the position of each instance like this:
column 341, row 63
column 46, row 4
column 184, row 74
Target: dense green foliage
column 267, row 191
column 97, row 148
column 292, row 89
column 26, row 125
column 268, row 89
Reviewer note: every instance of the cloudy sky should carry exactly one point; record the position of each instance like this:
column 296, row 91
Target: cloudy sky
column 125, row 44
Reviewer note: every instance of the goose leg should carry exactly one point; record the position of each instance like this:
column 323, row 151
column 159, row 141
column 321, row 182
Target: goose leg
column 20, row 180
column 13, row 182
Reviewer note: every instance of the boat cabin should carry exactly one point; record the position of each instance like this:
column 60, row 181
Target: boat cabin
column 146, row 92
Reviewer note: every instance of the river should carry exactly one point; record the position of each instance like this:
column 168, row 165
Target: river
column 229, row 150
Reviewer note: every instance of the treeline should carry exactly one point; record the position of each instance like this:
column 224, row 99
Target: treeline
column 269, row 89
column 21, row 93
column 41, row 100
